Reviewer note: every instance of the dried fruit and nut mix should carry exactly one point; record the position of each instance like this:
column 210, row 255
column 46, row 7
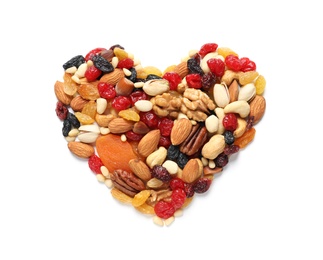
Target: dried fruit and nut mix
column 157, row 138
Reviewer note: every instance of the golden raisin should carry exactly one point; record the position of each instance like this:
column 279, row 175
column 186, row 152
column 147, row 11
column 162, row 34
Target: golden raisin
column 247, row 77
column 84, row 119
column 146, row 209
column 260, row 85
column 89, row 91
column 140, row 198
column 120, row 53
column 120, row 196
column 129, row 114
column 90, row 109
column 225, row 51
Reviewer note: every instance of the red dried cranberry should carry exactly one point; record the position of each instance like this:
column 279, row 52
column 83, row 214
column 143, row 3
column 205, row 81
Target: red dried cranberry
column 207, row 48
column 150, row 119
column 95, row 163
column 164, row 141
column 177, row 183
column 202, row 185
column 106, row 90
column 221, row 160
column 165, row 126
column 161, row 173
column 247, row 64
column 178, row 198
column 230, row 122
column 132, row 136
column 194, row 80
column 137, row 95
column 208, row 80
column 61, row 110
column 231, row 149
column 121, row 103
column 173, row 78
column 233, row 62
column 189, row 190
column 216, row 66
column 126, row 63
column 92, row 73
column 93, row 52
column 164, row 209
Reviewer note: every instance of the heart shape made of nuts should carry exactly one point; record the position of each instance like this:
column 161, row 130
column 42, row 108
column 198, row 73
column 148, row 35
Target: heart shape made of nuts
column 157, row 138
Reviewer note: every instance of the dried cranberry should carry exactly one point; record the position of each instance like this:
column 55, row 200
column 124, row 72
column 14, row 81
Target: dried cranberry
column 247, row 64
column 173, row 78
column 93, row 52
column 231, row 149
column 150, row 119
column 230, row 122
column 216, row 66
column 160, row 172
column 221, row 160
column 61, row 110
column 164, row 141
column 194, row 80
column 207, row 48
column 132, row 136
column 233, row 62
column 137, row 95
column 92, row 73
column 164, row 209
column 165, row 126
column 208, row 80
column 126, row 63
column 177, row 183
column 95, row 163
column 202, row 185
column 178, row 198
column 189, row 190
column 121, row 103
column 106, row 90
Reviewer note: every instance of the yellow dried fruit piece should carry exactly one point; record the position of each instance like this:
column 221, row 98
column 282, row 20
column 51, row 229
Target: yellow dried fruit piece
column 89, row 91
column 146, row 209
column 120, row 196
column 140, row 198
column 225, row 51
column 142, row 73
column 129, row 114
column 120, row 53
column 246, row 138
column 247, row 77
column 90, row 109
column 84, row 119
column 70, row 86
column 260, row 85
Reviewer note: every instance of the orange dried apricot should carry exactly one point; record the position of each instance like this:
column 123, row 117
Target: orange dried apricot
column 246, row 138
column 114, row 153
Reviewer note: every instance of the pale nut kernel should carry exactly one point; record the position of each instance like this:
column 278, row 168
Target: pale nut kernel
column 212, row 124
column 154, row 183
column 247, row 92
column 157, row 157
column 144, row 105
column 88, row 137
column 240, row 107
column 101, row 105
column 171, row 166
column 156, row 87
column 220, row 114
column 221, row 95
column 241, row 128
column 213, row 147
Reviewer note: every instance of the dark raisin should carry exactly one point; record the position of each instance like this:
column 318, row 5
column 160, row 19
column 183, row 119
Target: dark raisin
column 73, row 120
column 182, row 160
column 67, row 127
column 189, row 190
column 194, row 67
column 202, row 185
column 102, row 64
column 152, row 76
column 133, row 76
column 208, row 80
column 116, row 46
column 228, row 137
column 61, row 110
column 221, row 160
column 160, row 172
column 231, row 149
column 173, row 152
column 75, row 61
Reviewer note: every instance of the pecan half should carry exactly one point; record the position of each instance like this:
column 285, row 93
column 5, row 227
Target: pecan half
column 127, row 182
column 195, row 140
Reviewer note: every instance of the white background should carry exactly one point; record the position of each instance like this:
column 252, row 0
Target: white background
column 267, row 203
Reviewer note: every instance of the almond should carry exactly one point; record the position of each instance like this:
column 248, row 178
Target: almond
column 180, row 131
column 78, row 103
column 192, row 170
column 80, row 149
column 120, row 125
column 60, row 94
column 149, row 143
column 234, row 91
column 257, row 108
column 113, row 77
column 181, row 69
column 140, row 169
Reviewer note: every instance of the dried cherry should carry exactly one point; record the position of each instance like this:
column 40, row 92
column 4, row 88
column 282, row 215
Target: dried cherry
column 164, row 209
column 178, row 198
column 95, row 164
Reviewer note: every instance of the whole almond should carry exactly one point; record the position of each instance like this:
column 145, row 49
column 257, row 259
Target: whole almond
column 120, row 125
column 181, row 69
column 192, row 170
column 180, row 131
column 78, row 103
column 234, row 91
column 60, row 94
column 113, row 77
column 80, row 149
column 149, row 143
column 257, row 108
column 140, row 169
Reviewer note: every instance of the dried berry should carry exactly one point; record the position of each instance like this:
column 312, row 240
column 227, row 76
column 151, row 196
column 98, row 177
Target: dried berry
column 207, row 81
column 164, row 209
column 102, row 64
column 221, row 160
column 189, row 190
column 165, row 126
column 95, row 164
column 150, row 119
column 67, row 127
column 194, row 67
column 202, row 185
column 93, row 52
column 207, row 48
column 182, row 160
column 247, row 64
column 121, row 103
column 73, row 120
column 126, row 63
column 230, row 122
column 75, row 61
column 92, row 73
column 194, row 80
column 228, row 137
column 173, row 152
column 216, row 66
column 160, row 172
column 177, row 183
column 106, row 90
column 233, row 62
column 173, row 78
column 178, row 198
column 231, row 149
column 133, row 75
column 61, row 110
column 152, row 76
